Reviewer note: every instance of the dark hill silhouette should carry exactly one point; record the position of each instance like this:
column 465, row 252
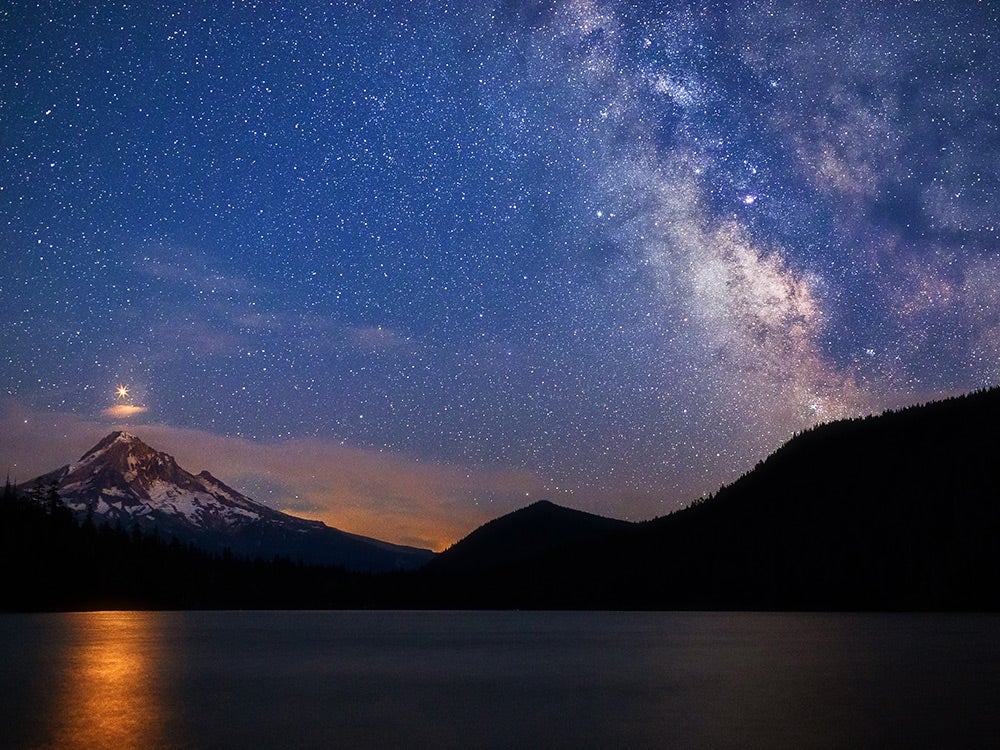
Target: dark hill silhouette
column 526, row 534
column 899, row 511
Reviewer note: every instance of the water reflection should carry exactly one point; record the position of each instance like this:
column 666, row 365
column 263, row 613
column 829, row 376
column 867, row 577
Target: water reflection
column 177, row 681
column 107, row 694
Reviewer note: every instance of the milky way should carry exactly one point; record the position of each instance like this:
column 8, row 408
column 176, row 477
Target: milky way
column 620, row 250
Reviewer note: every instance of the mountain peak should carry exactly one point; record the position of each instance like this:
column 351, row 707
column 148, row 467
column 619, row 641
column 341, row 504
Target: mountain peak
column 122, row 479
column 528, row 533
column 113, row 438
column 542, row 504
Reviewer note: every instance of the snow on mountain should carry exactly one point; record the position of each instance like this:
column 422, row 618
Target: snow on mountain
column 123, row 480
column 122, row 477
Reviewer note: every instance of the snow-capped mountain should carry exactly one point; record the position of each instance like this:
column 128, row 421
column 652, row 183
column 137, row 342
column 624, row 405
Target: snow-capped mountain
column 121, row 479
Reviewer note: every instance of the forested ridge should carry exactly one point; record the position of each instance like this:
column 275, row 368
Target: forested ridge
column 50, row 560
column 897, row 511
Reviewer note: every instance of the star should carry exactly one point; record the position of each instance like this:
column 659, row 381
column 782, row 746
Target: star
column 610, row 219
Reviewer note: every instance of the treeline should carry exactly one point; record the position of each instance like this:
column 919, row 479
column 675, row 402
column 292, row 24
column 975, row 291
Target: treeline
column 51, row 561
column 900, row 511
column 895, row 512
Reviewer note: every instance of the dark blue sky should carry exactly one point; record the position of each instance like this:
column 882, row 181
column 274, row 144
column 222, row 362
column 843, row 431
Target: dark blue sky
column 623, row 250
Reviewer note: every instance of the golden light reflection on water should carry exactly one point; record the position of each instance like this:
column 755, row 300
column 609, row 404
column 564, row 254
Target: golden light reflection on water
column 107, row 694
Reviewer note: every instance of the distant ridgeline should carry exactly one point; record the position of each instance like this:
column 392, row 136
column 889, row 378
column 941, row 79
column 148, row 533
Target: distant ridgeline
column 899, row 511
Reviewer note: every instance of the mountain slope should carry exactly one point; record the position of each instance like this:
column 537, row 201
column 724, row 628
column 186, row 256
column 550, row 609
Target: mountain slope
column 541, row 528
column 123, row 480
column 899, row 511
column 896, row 511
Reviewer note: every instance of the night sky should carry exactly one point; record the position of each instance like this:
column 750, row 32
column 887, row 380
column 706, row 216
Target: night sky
column 406, row 266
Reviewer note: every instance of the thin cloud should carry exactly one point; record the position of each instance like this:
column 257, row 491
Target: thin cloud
column 119, row 411
column 388, row 496
column 377, row 338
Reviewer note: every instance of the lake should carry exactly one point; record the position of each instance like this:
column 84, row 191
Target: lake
column 498, row 680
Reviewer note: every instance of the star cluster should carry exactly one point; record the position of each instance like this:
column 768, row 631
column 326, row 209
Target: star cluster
column 624, row 248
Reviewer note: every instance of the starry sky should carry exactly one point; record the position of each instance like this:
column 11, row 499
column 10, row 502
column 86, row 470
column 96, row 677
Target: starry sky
column 406, row 266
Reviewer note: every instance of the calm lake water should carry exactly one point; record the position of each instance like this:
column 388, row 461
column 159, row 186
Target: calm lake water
column 498, row 679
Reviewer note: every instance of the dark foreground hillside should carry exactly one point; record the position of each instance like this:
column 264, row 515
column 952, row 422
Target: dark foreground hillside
column 899, row 511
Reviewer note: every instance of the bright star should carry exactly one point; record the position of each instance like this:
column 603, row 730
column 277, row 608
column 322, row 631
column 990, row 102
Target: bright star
column 122, row 391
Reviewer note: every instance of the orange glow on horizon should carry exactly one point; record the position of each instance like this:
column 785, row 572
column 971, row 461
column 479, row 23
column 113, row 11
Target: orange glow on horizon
column 406, row 531
column 375, row 493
